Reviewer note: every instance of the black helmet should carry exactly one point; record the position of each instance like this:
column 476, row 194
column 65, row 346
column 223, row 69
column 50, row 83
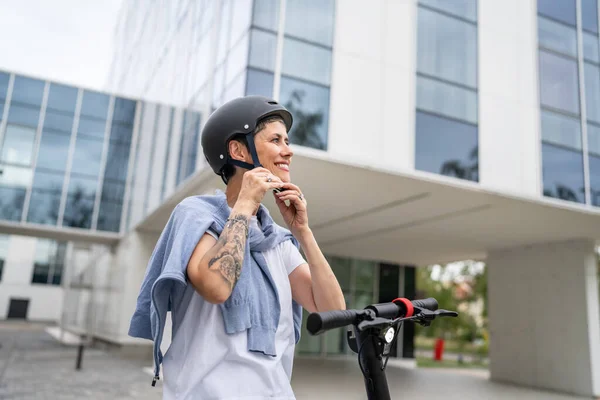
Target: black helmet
column 234, row 118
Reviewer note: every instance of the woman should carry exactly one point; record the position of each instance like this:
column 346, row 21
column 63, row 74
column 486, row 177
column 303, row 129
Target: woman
column 234, row 280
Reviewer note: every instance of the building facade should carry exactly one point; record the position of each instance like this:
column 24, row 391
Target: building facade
column 425, row 131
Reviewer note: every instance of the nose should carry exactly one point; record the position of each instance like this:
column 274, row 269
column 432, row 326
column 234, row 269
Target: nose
column 287, row 151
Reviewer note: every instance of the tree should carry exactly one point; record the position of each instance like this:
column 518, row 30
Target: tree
column 306, row 124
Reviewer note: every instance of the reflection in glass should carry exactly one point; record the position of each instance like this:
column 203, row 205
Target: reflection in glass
column 49, row 261
column 446, row 147
column 447, row 48
column 559, row 85
column 94, row 104
column 557, row 36
column 589, row 15
column 309, row 104
column 58, row 121
column 266, row 14
column 562, row 172
column 4, row 78
column 237, row 60
column 45, row 198
column 109, row 217
column 561, row 129
column 563, row 10
column 259, row 83
column 28, row 91
column 91, row 127
column 117, row 161
column 11, row 202
column 80, row 203
column 43, row 207
column 594, row 162
column 15, row 176
column 446, row 99
column 62, row 98
column 306, row 61
column 263, row 46
column 593, row 134
column 311, row 20
column 87, row 156
column 18, row 145
column 124, row 111
column 54, row 151
column 590, row 47
column 591, row 75
column 121, row 133
column 236, row 88
column 113, row 191
column 460, row 8
column 23, row 115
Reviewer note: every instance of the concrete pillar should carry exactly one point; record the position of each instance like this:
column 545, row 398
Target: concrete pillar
column 544, row 317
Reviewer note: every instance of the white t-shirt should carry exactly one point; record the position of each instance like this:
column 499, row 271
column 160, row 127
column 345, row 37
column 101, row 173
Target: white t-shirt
column 203, row 362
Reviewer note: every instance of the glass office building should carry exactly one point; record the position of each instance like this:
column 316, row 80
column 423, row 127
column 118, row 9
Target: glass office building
column 425, row 131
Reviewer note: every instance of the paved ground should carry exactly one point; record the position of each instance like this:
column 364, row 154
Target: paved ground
column 34, row 366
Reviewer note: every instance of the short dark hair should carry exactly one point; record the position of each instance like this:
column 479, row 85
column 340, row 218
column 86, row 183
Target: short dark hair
column 229, row 170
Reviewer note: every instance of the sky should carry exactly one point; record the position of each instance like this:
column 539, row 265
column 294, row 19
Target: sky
column 70, row 41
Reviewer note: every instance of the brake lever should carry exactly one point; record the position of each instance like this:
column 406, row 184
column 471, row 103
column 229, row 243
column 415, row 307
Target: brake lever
column 374, row 323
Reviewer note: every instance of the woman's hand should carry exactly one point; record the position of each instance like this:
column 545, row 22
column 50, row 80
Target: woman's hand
column 255, row 183
column 295, row 215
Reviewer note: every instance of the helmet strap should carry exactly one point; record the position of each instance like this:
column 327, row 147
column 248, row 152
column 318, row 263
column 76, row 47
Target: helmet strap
column 253, row 154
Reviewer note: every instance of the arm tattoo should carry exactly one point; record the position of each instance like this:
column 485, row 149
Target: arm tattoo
column 230, row 250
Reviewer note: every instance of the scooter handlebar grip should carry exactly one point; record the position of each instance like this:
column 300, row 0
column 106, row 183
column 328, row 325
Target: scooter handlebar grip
column 320, row 322
column 430, row 304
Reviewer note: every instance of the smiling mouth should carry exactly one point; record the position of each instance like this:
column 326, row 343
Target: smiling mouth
column 284, row 167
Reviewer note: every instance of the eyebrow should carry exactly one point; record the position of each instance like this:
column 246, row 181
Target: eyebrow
column 280, row 136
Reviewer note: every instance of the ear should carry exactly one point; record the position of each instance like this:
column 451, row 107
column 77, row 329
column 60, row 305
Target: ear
column 238, row 151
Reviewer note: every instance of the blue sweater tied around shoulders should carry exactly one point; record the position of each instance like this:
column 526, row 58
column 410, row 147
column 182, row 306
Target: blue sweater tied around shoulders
column 254, row 303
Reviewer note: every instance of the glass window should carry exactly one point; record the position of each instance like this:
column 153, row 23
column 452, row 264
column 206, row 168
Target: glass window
column 3, row 251
column 592, row 91
column 236, row 88
column 447, row 48
column 562, row 172
column 49, row 261
column 305, row 61
column 87, row 156
column 21, row 115
column 124, row 111
column 557, row 36
column 593, row 134
column 28, row 91
column 58, row 121
column 45, row 197
column 62, row 98
column 94, row 104
column 563, row 10
column 446, row 147
column 113, row 191
column 18, row 145
column 560, row 129
column 461, row 8
column 92, row 127
column 4, row 79
column 43, row 207
column 15, row 176
column 54, row 151
column 240, row 20
column 446, row 99
column 109, row 217
column 590, row 47
column 310, row 20
column 259, row 83
column 117, row 161
column 266, row 14
column 224, row 27
column 559, row 85
column 595, row 179
column 263, row 47
column 589, row 15
column 80, row 203
column 121, row 133
column 237, row 60
column 11, row 203
column 309, row 104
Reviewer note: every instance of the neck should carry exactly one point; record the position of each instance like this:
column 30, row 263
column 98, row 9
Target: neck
column 233, row 190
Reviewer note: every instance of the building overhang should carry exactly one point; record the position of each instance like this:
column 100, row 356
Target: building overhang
column 411, row 218
column 59, row 233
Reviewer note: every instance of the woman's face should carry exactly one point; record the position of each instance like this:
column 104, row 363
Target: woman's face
column 274, row 152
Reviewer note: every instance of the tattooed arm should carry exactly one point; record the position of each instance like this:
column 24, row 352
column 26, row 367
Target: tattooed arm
column 215, row 265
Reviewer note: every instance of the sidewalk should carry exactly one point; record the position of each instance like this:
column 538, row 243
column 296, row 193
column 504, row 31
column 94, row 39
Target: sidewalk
column 33, row 365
